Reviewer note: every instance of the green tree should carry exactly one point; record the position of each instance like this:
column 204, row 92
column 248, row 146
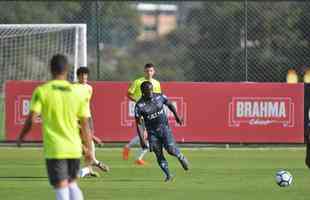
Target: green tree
column 119, row 23
column 218, row 41
column 274, row 44
column 280, row 46
column 32, row 12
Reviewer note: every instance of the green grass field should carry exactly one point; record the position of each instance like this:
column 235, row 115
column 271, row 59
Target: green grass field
column 224, row 174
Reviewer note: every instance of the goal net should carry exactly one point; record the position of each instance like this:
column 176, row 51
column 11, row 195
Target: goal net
column 26, row 49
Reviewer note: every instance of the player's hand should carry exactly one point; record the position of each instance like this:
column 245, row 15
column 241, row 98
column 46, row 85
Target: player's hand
column 179, row 120
column 97, row 140
column 144, row 135
column 143, row 144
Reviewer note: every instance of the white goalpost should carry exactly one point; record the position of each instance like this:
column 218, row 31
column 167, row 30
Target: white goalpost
column 26, row 49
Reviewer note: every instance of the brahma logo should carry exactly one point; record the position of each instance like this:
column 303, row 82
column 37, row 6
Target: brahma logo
column 261, row 111
column 22, row 109
column 127, row 112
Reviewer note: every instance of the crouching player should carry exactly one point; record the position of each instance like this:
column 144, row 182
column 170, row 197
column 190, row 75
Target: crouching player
column 150, row 108
column 86, row 90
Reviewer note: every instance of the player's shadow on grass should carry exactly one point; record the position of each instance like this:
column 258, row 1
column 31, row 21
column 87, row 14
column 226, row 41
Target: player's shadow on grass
column 133, row 180
column 121, row 180
column 22, row 178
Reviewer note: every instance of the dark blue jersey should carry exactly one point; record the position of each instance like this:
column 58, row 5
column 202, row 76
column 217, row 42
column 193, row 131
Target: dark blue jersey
column 152, row 111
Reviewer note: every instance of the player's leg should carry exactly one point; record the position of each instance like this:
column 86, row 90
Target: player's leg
column 157, row 148
column 57, row 170
column 96, row 163
column 102, row 166
column 126, row 150
column 88, row 170
column 142, row 151
column 62, row 192
column 172, row 149
column 141, row 154
column 85, row 171
column 73, row 169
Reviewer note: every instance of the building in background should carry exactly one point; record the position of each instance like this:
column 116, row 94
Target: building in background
column 157, row 19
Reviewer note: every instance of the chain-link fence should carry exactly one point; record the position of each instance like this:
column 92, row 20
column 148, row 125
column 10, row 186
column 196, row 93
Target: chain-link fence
column 187, row 41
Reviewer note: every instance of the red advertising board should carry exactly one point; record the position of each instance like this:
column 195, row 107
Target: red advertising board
column 212, row 112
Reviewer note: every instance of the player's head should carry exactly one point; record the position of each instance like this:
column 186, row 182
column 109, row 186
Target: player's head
column 292, row 76
column 291, row 71
column 149, row 70
column 146, row 89
column 82, row 74
column 59, row 65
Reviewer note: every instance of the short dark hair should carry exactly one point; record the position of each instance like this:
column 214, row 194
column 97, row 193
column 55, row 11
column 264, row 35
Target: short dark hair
column 148, row 65
column 59, row 64
column 145, row 85
column 82, row 70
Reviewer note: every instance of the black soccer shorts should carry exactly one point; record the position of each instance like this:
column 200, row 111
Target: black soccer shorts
column 62, row 169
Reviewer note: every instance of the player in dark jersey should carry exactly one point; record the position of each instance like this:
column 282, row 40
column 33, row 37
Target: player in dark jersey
column 150, row 108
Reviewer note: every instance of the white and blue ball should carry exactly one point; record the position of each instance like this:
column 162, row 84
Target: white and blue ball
column 284, row 178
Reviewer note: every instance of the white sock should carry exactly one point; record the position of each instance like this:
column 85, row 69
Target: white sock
column 84, row 171
column 93, row 147
column 75, row 192
column 141, row 154
column 135, row 140
column 62, row 193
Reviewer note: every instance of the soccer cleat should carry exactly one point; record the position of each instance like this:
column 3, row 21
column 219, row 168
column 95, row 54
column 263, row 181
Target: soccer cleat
column 94, row 174
column 126, row 153
column 103, row 167
column 169, row 178
column 140, row 162
column 184, row 162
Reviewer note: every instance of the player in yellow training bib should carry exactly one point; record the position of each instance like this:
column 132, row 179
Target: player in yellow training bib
column 87, row 92
column 61, row 106
column 134, row 94
column 291, row 76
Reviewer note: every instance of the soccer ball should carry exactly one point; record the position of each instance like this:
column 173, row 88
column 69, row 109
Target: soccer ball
column 284, row 178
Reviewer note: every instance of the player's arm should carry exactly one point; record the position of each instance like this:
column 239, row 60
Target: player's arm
column 173, row 110
column 140, row 131
column 27, row 127
column 130, row 96
column 157, row 88
column 85, row 132
column 131, row 91
column 86, row 137
column 140, row 128
column 35, row 110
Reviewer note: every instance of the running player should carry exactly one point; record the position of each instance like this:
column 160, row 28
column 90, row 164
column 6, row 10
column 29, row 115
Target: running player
column 150, row 109
column 61, row 106
column 82, row 74
column 134, row 94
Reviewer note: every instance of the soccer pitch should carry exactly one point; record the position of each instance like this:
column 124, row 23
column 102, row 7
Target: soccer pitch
column 224, row 174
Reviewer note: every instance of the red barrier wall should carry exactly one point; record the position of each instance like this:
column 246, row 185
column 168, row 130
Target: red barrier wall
column 213, row 112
